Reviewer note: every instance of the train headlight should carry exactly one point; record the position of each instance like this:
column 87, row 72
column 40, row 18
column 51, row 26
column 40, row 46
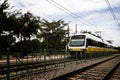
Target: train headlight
column 83, row 50
column 74, row 49
column 70, row 49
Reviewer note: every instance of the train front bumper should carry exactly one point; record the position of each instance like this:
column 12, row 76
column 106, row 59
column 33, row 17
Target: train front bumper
column 75, row 49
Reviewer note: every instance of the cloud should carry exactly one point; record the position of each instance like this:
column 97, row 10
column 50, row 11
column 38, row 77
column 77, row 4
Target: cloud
column 106, row 24
column 43, row 6
column 93, row 11
column 37, row 7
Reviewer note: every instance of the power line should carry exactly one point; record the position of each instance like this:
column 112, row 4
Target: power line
column 73, row 13
column 62, row 9
column 70, row 13
column 112, row 12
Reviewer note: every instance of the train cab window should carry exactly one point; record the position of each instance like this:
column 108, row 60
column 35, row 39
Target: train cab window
column 77, row 40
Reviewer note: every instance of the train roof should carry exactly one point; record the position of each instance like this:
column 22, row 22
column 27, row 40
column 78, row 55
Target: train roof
column 90, row 36
column 93, row 37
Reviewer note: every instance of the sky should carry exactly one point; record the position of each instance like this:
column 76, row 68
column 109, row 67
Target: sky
column 90, row 15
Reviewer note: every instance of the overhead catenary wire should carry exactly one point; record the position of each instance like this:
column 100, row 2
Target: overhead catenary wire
column 62, row 9
column 54, row 3
column 112, row 12
column 74, row 14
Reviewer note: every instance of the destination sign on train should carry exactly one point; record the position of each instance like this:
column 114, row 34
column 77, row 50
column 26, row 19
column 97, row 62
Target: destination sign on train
column 78, row 37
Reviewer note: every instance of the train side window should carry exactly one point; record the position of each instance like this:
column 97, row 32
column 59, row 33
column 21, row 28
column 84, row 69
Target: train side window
column 89, row 42
column 95, row 43
column 101, row 44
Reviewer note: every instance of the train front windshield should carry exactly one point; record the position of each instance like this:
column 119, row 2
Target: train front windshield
column 77, row 40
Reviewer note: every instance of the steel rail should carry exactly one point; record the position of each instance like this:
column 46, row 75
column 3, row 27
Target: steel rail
column 66, row 76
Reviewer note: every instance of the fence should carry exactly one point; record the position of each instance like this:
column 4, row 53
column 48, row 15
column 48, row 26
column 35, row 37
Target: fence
column 27, row 65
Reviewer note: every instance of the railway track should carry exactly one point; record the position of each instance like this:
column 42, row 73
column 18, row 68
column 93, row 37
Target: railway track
column 18, row 70
column 116, row 74
column 99, row 71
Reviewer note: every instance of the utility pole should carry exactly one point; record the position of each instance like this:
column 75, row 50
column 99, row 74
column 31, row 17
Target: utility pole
column 68, row 31
column 76, row 28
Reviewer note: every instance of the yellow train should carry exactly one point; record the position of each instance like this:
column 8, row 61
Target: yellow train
column 87, row 46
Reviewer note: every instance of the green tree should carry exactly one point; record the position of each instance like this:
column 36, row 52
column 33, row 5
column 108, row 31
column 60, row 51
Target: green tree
column 16, row 25
column 53, row 34
column 6, row 37
column 29, row 26
column 28, row 46
column 3, row 16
